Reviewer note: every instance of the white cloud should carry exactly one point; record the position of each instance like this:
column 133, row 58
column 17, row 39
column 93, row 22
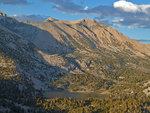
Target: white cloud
column 130, row 27
column 145, row 8
column 131, row 7
column 66, row 6
column 126, row 6
column 116, row 25
column 116, row 20
column 86, row 8
column 14, row 15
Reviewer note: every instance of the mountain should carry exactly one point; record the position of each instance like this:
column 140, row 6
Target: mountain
column 26, row 57
column 2, row 14
column 24, row 73
column 83, row 46
column 78, row 56
column 70, row 33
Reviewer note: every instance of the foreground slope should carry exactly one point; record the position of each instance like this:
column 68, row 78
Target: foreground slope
column 27, row 60
column 23, row 72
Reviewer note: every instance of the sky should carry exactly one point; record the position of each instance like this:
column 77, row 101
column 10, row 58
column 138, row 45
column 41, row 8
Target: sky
column 130, row 17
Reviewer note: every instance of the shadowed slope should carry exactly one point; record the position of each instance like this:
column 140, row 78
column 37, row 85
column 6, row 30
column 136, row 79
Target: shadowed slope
column 27, row 60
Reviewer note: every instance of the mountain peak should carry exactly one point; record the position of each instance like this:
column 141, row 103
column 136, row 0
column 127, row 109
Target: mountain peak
column 85, row 20
column 2, row 14
column 51, row 19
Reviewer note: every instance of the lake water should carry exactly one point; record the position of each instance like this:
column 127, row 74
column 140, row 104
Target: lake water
column 65, row 93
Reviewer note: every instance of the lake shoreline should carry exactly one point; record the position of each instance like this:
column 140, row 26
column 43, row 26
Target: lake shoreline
column 51, row 93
